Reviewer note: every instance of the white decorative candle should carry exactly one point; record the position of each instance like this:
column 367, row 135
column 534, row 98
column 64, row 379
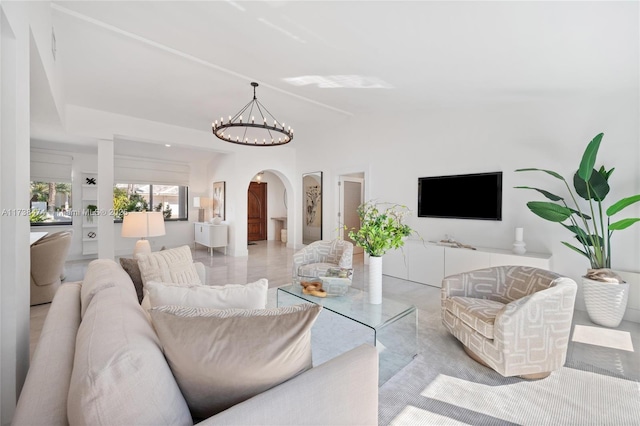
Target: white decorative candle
column 519, row 234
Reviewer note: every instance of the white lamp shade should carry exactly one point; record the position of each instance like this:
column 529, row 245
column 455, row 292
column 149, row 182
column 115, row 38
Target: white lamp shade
column 143, row 224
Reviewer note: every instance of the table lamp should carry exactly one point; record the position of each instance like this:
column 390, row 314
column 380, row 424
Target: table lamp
column 196, row 203
column 142, row 225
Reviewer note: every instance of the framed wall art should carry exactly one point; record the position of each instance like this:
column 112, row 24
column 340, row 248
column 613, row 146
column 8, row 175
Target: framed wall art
column 219, row 200
column 312, row 207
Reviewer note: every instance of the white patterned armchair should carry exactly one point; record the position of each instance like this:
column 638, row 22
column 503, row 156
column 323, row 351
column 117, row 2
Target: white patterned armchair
column 315, row 259
column 513, row 319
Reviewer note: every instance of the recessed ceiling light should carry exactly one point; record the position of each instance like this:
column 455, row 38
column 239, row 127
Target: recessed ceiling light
column 339, row 81
column 168, row 145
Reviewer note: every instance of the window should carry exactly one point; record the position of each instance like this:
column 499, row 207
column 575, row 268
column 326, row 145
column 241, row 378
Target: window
column 171, row 200
column 50, row 203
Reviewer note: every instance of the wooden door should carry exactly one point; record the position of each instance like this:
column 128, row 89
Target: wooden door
column 257, row 212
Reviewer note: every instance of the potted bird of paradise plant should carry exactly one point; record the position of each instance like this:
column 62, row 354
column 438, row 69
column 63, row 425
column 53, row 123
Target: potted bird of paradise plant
column 605, row 293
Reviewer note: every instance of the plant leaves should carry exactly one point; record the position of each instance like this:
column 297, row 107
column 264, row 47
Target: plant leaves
column 549, row 211
column 605, row 174
column 622, row 224
column 551, row 172
column 576, row 249
column 577, row 213
column 583, row 237
column 589, row 158
column 616, row 207
column 576, row 230
column 588, row 240
column 547, row 194
column 598, row 187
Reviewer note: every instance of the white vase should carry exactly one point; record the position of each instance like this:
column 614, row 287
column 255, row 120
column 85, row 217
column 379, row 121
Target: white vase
column 375, row 280
column 605, row 302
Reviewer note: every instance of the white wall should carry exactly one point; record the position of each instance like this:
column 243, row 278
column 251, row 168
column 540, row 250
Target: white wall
column 533, row 133
column 18, row 22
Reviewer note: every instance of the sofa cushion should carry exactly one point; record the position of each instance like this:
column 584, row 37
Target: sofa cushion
column 44, row 396
column 102, row 274
column 171, row 266
column 240, row 296
column 120, row 376
column 131, row 267
column 479, row 314
column 222, row 357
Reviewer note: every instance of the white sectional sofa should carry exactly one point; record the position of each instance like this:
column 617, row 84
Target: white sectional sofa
column 99, row 362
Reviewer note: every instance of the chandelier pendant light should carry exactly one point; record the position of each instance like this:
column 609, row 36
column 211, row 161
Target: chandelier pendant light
column 244, row 129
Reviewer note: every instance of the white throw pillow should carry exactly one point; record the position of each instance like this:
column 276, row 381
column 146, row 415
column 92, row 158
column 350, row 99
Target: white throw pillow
column 239, row 296
column 171, row 266
column 222, row 357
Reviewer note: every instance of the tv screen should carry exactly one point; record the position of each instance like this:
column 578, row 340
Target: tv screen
column 471, row 196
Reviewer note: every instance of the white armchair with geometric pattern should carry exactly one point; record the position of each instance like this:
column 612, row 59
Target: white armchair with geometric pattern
column 513, row 319
column 316, row 258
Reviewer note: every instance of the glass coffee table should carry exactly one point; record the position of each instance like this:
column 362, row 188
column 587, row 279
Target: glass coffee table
column 390, row 326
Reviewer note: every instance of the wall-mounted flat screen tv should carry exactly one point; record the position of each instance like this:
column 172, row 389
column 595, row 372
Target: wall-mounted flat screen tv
column 470, row 196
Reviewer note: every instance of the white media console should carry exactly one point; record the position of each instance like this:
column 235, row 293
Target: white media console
column 428, row 263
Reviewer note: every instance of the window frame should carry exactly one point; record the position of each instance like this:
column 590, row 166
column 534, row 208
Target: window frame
column 70, row 197
column 181, row 188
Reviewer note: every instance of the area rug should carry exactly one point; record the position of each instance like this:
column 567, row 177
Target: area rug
column 443, row 386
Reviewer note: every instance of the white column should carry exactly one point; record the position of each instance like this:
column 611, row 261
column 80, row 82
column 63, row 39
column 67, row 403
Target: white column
column 106, row 238
column 14, row 225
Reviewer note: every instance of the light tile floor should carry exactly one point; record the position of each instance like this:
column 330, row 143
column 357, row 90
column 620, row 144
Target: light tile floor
column 272, row 260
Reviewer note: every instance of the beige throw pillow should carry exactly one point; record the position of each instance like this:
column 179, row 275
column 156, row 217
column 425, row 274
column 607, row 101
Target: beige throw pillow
column 223, row 357
column 239, row 296
column 171, row 266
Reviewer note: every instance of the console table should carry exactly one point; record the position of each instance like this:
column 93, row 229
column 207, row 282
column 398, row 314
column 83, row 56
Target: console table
column 211, row 236
column 428, row 262
column 281, row 223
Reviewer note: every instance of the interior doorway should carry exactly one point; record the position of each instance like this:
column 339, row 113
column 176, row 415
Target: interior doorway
column 351, row 190
column 257, row 211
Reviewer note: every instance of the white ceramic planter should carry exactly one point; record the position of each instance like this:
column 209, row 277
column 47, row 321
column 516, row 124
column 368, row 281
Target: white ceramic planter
column 375, row 280
column 605, row 302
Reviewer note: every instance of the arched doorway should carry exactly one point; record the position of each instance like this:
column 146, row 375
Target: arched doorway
column 267, row 207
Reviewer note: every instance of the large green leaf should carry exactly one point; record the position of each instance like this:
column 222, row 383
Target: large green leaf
column 616, row 207
column 589, row 158
column 598, row 187
column 622, row 224
column 551, row 172
column 549, row 211
column 547, row 194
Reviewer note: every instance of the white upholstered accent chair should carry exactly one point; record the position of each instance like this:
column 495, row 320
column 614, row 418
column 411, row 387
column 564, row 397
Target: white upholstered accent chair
column 513, row 319
column 47, row 265
column 315, row 259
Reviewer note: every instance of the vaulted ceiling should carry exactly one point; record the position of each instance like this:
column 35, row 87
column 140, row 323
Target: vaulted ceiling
column 187, row 63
